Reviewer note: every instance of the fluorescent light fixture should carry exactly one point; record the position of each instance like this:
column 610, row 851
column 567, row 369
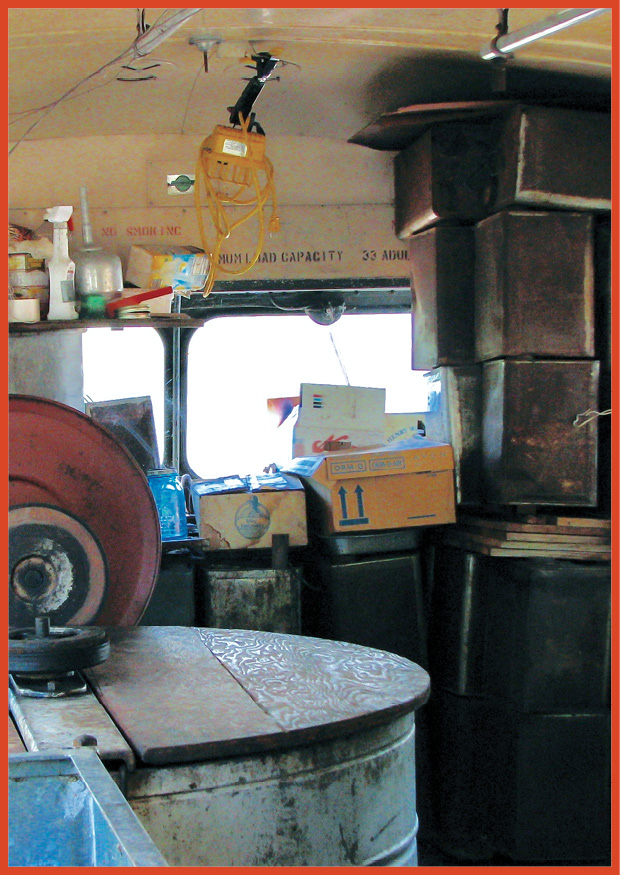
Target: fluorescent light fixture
column 511, row 41
column 156, row 34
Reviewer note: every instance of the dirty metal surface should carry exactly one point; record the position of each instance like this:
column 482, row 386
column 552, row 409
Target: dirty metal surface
column 16, row 745
column 554, row 157
column 60, row 457
column 307, row 683
column 345, row 802
column 259, row 598
column 535, row 285
column 441, row 261
column 455, row 417
column 58, row 724
column 56, row 568
column 537, row 447
column 183, row 694
column 443, row 176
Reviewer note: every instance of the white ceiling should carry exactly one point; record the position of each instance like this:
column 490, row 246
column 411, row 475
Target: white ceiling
column 347, row 66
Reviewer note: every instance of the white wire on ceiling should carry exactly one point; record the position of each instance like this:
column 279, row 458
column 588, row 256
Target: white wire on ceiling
column 143, row 44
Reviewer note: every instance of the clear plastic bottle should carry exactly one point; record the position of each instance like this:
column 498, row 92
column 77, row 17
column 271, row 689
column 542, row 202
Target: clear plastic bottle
column 61, row 268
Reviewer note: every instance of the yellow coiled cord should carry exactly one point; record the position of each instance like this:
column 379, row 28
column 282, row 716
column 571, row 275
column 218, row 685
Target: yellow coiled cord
column 231, row 179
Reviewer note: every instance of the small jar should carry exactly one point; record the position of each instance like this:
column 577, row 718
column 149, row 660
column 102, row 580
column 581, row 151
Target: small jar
column 170, row 500
column 28, row 278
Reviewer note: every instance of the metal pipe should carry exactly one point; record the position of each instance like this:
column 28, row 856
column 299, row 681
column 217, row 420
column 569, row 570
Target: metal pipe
column 156, row 34
column 511, row 41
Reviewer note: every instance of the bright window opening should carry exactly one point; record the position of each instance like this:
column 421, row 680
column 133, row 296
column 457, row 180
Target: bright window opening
column 236, row 363
column 125, row 364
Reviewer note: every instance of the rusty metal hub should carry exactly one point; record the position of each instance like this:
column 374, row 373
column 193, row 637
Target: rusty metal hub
column 56, row 567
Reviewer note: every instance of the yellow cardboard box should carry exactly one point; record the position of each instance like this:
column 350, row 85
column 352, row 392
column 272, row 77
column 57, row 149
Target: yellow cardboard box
column 151, row 266
column 240, row 512
column 408, row 483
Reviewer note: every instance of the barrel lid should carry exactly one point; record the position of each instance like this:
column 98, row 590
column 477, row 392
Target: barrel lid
column 187, row 695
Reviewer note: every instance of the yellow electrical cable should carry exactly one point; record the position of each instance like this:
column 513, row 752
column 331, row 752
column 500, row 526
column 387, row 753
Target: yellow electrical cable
column 241, row 171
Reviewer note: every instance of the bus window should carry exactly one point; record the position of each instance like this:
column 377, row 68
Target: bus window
column 125, row 364
column 235, row 364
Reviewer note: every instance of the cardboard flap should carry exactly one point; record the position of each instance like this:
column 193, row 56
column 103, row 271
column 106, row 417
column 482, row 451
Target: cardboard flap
column 252, row 483
column 412, row 456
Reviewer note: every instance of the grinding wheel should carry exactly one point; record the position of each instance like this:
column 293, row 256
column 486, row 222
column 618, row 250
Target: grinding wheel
column 56, row 567
column 62, row 461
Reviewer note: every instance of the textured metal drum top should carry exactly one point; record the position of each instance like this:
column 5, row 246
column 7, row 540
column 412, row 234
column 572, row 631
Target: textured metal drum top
column 184, row 694
column 61, row 458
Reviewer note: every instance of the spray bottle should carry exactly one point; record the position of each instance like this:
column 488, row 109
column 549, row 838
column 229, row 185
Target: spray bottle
column 60, row 267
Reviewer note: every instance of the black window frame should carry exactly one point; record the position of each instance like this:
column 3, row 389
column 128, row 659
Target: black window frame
column 257, row 299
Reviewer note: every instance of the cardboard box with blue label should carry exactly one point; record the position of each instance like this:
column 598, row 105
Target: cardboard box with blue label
column 240, row 512
column 151, row 266
column 408, row 483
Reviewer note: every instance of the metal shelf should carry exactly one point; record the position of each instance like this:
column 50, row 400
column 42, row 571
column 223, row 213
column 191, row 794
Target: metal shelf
column 176, row 320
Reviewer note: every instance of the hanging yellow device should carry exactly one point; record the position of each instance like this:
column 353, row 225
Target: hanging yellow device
column 235, row 172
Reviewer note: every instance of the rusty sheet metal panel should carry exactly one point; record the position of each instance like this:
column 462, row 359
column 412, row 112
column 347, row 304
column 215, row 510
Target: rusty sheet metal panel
column 536, row 447
column 259, row 598
column 532, row 633
column 603, row 292
column 551, row 157
column 455, row 417
column 534, row 787
column 346, row 802
column 237, row 692
column 442, row 296
column 444, row 175
column 535, row 285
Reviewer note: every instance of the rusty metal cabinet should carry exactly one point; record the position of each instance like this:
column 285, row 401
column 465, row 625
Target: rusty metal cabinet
column 443, row 176
column 554, row 157
column 442, row 296
column 537, row 445
column 535, row 285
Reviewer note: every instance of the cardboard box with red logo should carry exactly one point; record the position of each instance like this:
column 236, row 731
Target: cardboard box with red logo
column 332, row 415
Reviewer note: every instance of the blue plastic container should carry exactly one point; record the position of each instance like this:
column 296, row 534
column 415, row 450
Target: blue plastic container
column 66, row 810
column 170, row 500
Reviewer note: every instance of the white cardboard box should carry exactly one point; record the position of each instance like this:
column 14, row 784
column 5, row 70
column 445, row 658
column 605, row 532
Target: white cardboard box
column 402, row 426
column 338, row 414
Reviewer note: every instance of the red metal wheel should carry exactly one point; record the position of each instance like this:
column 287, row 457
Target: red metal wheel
column 58, row 456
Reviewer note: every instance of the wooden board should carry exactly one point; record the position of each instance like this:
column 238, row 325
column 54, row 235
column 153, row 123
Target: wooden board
column 525, row 550
column 182, row 694
column 573, row 522
column 542, row 525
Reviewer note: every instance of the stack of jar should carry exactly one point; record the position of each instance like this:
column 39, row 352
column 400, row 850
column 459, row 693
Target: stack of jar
column 29, row 292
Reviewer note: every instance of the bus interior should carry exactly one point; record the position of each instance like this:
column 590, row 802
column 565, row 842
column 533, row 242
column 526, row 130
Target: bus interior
column 310, row 439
